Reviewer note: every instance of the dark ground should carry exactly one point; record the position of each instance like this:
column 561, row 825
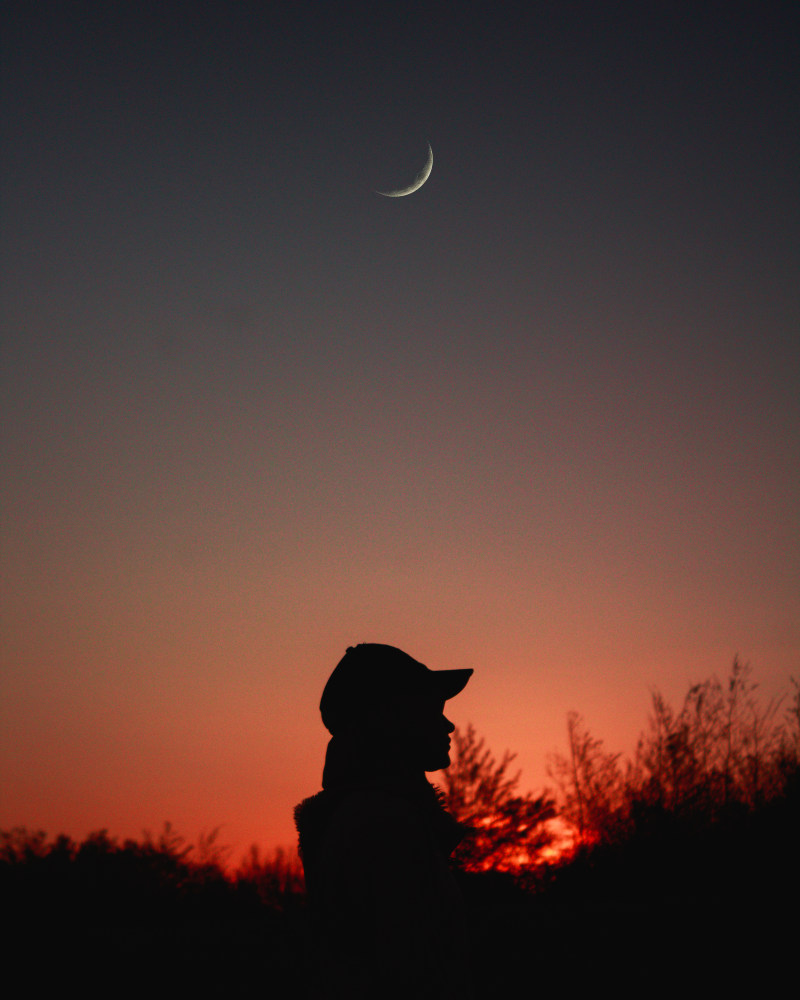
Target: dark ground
column 522, row 945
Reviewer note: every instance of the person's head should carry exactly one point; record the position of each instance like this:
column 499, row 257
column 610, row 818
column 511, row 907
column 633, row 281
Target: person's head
column 392, row 705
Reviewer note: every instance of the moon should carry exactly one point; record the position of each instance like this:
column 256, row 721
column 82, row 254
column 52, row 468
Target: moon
column 416, row 184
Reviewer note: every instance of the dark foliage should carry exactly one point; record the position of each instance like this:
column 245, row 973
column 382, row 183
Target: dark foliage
column 719, row 761
column 156, row 915
column 506, row 831
column 157, row 878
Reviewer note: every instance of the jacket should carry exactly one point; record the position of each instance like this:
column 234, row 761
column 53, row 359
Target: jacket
column 386, row 913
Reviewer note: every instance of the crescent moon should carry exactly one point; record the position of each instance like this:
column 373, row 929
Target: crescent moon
column 416, row 184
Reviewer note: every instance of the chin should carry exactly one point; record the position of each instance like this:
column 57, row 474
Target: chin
column 438, row 763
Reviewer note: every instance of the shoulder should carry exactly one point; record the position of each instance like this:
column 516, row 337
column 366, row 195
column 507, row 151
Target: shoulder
column 376, row 815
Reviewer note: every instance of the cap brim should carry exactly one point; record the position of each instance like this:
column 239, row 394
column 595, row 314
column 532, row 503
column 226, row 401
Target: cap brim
column 450, row 682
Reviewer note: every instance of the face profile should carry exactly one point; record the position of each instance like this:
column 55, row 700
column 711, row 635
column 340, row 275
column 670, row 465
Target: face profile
column 424, row 735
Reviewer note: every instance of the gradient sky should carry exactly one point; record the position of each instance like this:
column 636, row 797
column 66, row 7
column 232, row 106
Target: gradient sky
column 540, row 418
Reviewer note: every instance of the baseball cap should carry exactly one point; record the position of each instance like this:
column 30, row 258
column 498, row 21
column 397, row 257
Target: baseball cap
column 373, row 675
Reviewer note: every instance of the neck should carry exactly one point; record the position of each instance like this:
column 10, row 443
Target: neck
column 350, row 760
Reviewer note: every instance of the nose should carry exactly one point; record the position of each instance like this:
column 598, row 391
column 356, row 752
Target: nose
column 448, row 724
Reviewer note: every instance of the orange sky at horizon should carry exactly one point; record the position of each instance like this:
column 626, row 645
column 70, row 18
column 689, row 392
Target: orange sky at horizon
column 222, row 750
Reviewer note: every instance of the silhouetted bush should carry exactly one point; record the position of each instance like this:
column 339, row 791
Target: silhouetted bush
column 156, row 915
column 277, row 877
column 721, row 756
column 155, row 879
column 506, row 831
column 707, row 809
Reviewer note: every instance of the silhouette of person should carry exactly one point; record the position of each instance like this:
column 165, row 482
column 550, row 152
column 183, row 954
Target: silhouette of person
column 385, row 910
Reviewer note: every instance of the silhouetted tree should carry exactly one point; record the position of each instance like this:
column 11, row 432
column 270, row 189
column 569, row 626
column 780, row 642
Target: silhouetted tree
column 507, row 831
column 590, row 784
